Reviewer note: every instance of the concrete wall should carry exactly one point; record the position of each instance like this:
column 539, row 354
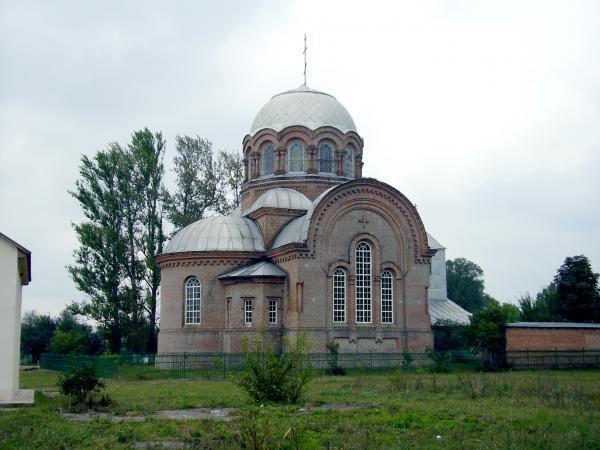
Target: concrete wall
column 437, row 280
column 552, row 338
column 10, row 321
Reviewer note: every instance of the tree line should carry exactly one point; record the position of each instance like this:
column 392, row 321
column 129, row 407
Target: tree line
column 128, row 212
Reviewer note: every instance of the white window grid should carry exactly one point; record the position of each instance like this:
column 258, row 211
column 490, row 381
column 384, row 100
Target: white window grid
column 326, row 158
column 267, row 160
column 192, row 301
column 272, row 311
column 387, row 297
column 339, row 296
column 248, row 311
column 296, row 157
column 363, row 283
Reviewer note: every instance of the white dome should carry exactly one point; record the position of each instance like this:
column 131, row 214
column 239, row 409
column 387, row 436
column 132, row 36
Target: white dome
column 303, row 106
column 221, row 233
column 281, row 198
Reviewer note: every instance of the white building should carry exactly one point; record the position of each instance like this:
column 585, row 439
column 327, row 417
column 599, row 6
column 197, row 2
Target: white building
column 15, row 271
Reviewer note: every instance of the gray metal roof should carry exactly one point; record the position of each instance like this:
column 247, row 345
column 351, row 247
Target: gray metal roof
column 303, row 106
column 221, row 233
column 297, row 229
column 280, row 198
column 433, row 243
column 552, row 325
column 446, row 309
column 259, row 269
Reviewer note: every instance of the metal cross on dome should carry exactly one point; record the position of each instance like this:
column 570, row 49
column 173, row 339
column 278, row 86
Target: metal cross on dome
column 305, row 47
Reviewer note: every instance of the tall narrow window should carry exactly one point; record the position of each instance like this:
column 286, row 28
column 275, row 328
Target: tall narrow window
column 228, row 316
column 363, row 283
column 248, row 311
column 272, row 311
column 349, row 162
column 192, row 301
column 267, row 160
column 387, row 297
column 296, row 157
column 339, row 295
column 325, row 158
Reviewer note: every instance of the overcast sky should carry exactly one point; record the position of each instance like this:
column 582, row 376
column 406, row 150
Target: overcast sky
column 485, row 114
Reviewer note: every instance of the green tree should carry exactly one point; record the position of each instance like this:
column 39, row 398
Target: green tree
column 465, row 284
column 542, row 308
column 578, row 296
column 68, row 342
column 486, row 331
column 98, row 269
column 232, row 168
column 147, row 153
column 37, row 331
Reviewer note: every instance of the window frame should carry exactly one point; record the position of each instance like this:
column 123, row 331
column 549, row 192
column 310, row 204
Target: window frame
column 272, row 313
column 248, row 312
column 350, row 165
column 387, row 296
column 269, row 149
column 292, row 160
column 363, row 266
column 330, row 158
column 343, row 289
column 192, row 316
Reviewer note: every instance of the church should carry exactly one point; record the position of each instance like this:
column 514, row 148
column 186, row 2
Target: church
column 315, row 247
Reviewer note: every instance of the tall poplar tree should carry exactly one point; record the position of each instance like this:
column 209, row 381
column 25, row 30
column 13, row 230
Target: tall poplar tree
column 98, row 269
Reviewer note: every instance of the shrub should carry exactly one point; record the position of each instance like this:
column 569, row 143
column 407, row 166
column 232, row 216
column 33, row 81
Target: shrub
column 333, row 350
column 80, row 384
column 256, row 431
column 272, row 376
column 442, row 361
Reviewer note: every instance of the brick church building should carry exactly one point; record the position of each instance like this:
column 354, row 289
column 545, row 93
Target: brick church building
column 314, row 247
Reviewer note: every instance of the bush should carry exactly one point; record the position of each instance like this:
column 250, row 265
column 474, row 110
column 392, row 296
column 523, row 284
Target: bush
column 333, row 350
column 272, row 376
column 442, row 361
column 80, row 385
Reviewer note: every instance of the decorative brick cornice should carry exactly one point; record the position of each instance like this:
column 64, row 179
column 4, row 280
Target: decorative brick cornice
column 209, row 258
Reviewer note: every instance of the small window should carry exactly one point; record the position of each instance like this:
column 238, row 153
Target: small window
column 192, row 301
column 272, row 311
column 228, row 317
column 339, row 296
column 387, row 297
column 326, row 158
column 248, row 311
column 267, row 160
column 296, row 157
column 349, row 162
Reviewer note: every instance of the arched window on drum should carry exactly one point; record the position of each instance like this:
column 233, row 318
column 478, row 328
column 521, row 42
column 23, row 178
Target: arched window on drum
column 267, row 159
column 192, row 301
column 339, row 296
column 296, row 157
column 349, row 162
column 326, row 158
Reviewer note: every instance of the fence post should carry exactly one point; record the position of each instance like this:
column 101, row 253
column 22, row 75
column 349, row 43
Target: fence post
column 184, row 363
column 528, row 358
column 556, row 358
column 583, row 356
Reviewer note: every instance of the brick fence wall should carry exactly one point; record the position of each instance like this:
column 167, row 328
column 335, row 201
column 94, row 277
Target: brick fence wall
column 551, row 338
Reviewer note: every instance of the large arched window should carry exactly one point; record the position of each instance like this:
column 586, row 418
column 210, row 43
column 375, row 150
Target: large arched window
column 325, row 158
column 364, row 295
column 267, row 160
column 349, row 162
column 339, row 295
column 296, row 157
column 387, row 297
column 192, row 301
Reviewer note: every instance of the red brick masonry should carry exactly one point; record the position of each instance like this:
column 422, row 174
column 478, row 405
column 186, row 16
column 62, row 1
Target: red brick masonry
column 552, row 335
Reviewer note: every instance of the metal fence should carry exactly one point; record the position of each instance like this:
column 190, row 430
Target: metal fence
column 222, row 365
column 552, row 359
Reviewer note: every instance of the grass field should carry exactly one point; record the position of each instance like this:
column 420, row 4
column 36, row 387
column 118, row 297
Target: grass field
column 541, row 409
